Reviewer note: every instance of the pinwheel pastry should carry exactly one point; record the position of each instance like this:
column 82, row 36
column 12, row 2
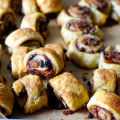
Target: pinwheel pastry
column 50, row 6
column 30, row 93
column 85, row 51
column 68, row 91
column 7, row 20
column 29, row 6
column 44, row 62
column 74, row 12
column 38, row 22
column 6, row 100
column 17, row 61
column 100, row 10
column 104, row 105
column 105, row 79
column 115, row 10
column 24, row 37
column 74, row 28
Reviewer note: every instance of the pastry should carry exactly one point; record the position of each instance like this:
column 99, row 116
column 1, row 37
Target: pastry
column 105, row 79
column 30, row 93
column 74, row 12
column 17, row 61
column 24, row 37
column 68, row 90
column 38, row 22
column 104, row 105
column 74, row 28
column 6, row 100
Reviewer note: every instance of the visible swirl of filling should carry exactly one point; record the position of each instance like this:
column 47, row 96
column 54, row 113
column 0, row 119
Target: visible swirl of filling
column 78, row 11
column 100, row 4
column 89, row 44
column 40, row 64
column 112, row 57
column 85, row 27
column 101, row 113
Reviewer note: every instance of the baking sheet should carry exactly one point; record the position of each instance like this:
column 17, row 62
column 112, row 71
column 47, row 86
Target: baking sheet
column 112, row 37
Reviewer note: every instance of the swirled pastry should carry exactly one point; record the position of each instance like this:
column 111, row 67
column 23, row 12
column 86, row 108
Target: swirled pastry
column 6, row 100
column 29, row 6
column 17, row 61
column 100, row 10
column 7, row 20
column 104, row 105
column 50, row 6
column 115, row 10
column 69, row 91
column 105, row 79
column 38, row 22
column 74, row 28
column 85, row 51
column 30, row 93
column 24, row 37
column 74, row 12
column 43, row 61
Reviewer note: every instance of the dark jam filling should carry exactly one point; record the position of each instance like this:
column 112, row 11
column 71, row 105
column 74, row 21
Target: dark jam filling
column 3, row 111
column 112, row 57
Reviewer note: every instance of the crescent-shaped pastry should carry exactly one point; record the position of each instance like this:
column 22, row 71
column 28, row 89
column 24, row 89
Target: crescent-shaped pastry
column 104, row 105
column 74, row 12
column 100, row 10
column 43, row 61
column 29, row 6
column 50, row 6
column 17, row 61
column 38, row 22
column 6, row 100
column 30, row 93
column 72, row 29
column 105, row 79
column 24, row 37
column 68, row 91
column 115, row 10
column 7, row 20
column 85, row 51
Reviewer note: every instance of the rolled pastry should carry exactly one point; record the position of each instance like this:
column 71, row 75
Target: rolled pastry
column 100, row 10
column 85, row 51
column 72, row 29
column 50, row 6
column 115, row 10
column 104, row 105
column 30, row 93
column 69, row 91
column 6, row 100
column 17, row 61
column 24, row 37
column 29, row 6
column 7, row 20
column 105, row 79
column 74, row 12
column 38, row 22
column 44, row 62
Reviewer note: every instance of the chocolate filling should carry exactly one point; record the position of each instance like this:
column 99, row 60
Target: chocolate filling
column 2, row 110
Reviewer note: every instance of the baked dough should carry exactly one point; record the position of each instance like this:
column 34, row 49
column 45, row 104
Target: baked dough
column 104, row 105
column 105, row 79
column 74, row 28
column 74, row 12
column 6, row 100
column 50, row 6
column 85, row 51
column 17, row 61
column 30, row 93
column 24, row 37
column 69, row 90
column 38, row 22
column 43, row 61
